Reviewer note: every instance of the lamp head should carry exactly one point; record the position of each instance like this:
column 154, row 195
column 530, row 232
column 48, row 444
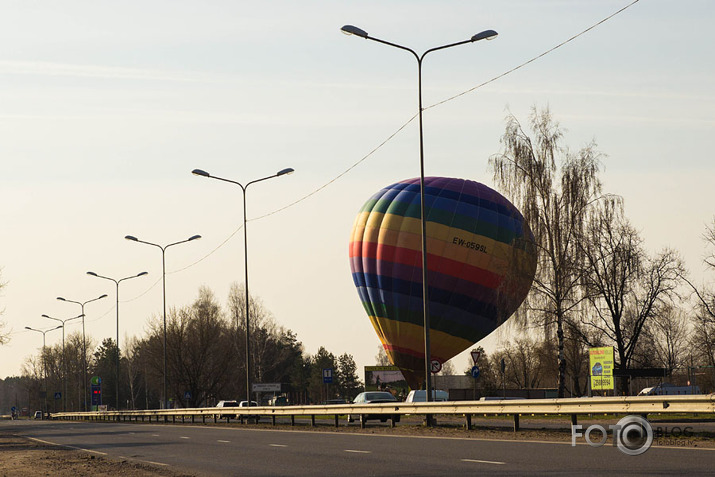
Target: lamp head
column 61, row 299
column 485, row 35
column 45, row 316
column 28, row 328
column 103, row 296
column 199, row 172
column 142, row 274
column 353, row 30
column 194, row 237
column 92, row 273
column 286, row 171
column 131, row 237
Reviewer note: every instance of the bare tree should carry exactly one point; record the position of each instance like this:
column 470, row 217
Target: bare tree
column 626, row 288
column 671, row 334
column 554, row 199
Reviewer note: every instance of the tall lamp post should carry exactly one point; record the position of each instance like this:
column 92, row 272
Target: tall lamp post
column 44, row 365
column 282, row 172
column 64, row 360
column 163, row 286
column 84, row 346
column 117, row 282
column 485, row 35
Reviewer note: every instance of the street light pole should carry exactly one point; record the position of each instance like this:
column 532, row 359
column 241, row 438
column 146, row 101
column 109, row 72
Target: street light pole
column 44, row 364
column 163, row 286
column 64, row 358
column 488, row 35
column 117, row 282
column 84, row 347
column 282, row 172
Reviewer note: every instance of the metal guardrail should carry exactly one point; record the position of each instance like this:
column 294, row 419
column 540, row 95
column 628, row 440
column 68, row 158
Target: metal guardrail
column 643, row 405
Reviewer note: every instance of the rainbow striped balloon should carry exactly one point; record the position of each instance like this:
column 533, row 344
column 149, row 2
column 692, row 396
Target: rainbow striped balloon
column 481, row 263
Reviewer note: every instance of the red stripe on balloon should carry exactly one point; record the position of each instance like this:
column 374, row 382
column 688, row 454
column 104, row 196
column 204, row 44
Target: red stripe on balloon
column 435, row 263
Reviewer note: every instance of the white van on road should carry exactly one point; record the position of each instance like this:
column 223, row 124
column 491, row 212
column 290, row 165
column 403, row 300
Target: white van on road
column 420, row 395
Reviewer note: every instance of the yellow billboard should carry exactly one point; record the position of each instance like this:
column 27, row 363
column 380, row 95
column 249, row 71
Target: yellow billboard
column 601, row 367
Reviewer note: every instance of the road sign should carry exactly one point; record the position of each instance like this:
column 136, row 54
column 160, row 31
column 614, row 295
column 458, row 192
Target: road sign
column 13, row 409
column 327, row 375
column 266, row 387
column 187, row 395
column 436, row 366
column 96, row 380
column 58, row 395
column 475, row 356
column 475, row 372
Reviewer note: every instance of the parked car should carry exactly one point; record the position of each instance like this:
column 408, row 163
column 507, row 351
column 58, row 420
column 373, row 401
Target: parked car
column 374, row 397
column 245, row 404
column 334, row 401
column 419, row 395
column 226, row 404
column 667, row 389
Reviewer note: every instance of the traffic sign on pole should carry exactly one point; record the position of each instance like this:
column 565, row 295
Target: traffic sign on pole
column 327, row 375
column 475, row 372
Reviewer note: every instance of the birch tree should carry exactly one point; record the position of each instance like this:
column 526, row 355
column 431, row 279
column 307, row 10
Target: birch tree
column 553, row 188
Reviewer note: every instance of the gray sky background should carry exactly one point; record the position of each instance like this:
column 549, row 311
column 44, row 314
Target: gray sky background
column 105, row 108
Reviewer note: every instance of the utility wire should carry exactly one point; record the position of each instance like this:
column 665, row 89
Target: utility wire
column 391, row 136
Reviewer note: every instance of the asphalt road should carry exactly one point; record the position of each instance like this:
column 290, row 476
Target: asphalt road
column 212, row 450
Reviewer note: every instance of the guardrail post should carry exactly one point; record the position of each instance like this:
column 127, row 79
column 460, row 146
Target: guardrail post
column 362, row 421
column 292, row 420
column 273, row 419
column 337, row 420
column 469, row 421
column 574, row 419
column 392, row 420
column 312, row 420
column 166, row 419
column 516, row 422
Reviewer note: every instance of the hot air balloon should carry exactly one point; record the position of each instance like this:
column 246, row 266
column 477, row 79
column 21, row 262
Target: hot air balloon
column 481, row 262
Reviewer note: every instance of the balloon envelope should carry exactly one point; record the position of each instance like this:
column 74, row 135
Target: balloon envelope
column 481, row 263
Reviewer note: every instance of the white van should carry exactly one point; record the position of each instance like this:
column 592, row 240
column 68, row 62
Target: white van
column 420, row 395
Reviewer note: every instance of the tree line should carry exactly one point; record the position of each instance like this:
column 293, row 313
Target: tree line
column 205, row 362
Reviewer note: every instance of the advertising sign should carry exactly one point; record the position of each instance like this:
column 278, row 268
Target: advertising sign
column 385, row 378
column 601, row 367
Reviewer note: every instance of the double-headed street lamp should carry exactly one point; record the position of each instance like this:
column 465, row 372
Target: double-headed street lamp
column 64, row 360
column 163, row 285
column 485, row 35
column 84, row 346
column 44, row 364
column 117, row 282
column 282, row 172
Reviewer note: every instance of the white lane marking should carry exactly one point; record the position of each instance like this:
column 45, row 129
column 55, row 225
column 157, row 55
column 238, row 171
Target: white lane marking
column 358, row 451
column 223, row 441
column 69, row 447
column 184, row 437
column 277, row 445
column 152, row 462
column 484, row 461
column 155, row 435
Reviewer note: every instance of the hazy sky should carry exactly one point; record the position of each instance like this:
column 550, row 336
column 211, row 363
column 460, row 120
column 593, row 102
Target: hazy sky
column 106, row 107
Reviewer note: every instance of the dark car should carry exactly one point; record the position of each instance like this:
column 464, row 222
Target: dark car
column 374, row 397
